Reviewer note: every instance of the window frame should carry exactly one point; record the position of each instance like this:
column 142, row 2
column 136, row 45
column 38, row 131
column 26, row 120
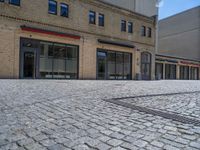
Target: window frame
column 94, row 13
column 12, row 3
column 130, row 26
column 143, row 31
column 123, row 27
column 67, row 9
column 103, row 20
column 50, row 12
column 149, row 32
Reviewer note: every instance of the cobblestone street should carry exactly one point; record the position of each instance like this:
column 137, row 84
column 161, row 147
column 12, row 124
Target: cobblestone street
column 64, row 115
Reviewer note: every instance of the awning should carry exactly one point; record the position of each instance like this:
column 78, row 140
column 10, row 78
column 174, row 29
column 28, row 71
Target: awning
column 117, row 43
column 37, row 30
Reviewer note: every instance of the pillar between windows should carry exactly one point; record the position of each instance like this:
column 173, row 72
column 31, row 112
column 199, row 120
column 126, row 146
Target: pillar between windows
column 177, row 72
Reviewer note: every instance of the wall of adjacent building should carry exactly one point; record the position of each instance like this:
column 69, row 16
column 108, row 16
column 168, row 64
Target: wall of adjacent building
column 179, row 35
column 144, row 7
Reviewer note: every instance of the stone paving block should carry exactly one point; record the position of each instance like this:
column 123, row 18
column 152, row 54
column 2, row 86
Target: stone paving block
column 48, row 142
column 169, row 147
column 195, row 145
column 103, row 146
column 114, row 142
column 140, row 143
column 157, row 144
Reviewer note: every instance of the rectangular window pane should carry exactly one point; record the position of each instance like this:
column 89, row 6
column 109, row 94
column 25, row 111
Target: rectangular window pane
column 111, row 65
column 119, row 65
column 14, row 2
column 130, row 27
column 46, row 60
column 127, row 66
column 52, row 7
column 64, row 10
column 149, row 32
column 72, row 62
column 101, row 20
column 123, row 25
column 59, row 61
column 143, row 31
column 92, row 17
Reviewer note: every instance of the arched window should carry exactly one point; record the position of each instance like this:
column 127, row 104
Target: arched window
column 146, row 65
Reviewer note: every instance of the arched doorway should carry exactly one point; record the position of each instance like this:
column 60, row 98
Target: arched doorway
column 146, row 65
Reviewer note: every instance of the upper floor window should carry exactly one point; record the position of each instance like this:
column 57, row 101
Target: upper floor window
column 143, row 31
column 123, row 25
column 130, row 27
column 52, row 7
column 14, row 2
column 64, row 10
column 92, row 17
column 101, row 20
column 149, row 32
column 1, row 0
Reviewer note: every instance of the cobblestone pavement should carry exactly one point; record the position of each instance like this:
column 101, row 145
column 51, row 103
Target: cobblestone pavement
column 62, row 115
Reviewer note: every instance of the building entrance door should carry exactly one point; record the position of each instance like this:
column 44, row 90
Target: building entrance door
column 29, row 65
column 146, row 66
column 101, row 62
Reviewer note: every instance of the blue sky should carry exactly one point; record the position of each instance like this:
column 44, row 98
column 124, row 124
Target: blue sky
column 171, row 7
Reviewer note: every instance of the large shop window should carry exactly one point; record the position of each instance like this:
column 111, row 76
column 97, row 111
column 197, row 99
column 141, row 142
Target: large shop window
column 146, row 65
column 159, row 71
column 194, row 73
column 113, row 65
column 48, row 60
column 184, row 72
column 170, row 71
column 58, row 61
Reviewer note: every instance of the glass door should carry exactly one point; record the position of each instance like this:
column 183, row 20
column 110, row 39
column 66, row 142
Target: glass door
column 101, row 64
column 29, row 65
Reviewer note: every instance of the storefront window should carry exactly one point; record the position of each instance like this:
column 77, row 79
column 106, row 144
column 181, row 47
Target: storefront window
column 50, row 60
column 170, row 71
column 71, row 62
column 59, row 61
column 146, row 65
column 159, row 71
column 184, row 73
column 194, row 73
column 127, row 66
column 46, row 60
column 113, row 65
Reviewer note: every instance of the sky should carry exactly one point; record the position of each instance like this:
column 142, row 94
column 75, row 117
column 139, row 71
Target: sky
column 171, row 7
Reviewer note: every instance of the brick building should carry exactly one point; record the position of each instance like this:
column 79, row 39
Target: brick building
column 75, row 39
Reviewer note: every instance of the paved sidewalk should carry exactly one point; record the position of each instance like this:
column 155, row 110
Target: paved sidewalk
column 62, row 115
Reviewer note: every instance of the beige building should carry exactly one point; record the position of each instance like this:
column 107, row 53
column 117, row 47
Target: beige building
column 144, row 7
column 75, row 39
column 178, row 54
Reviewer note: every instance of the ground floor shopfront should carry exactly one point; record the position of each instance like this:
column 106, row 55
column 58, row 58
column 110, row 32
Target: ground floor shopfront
column 32, row 53
column 176, row 68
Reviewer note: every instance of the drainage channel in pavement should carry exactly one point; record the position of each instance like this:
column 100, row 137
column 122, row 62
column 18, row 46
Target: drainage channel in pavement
column 167, row 115
column 156, row 95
